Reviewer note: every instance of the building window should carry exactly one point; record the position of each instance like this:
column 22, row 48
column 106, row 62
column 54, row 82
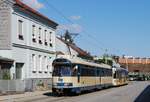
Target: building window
column 34, row 63
column 45, row 64
column 33, row 33
column 40, row 64
column 50, row 65
column 20, row 29
column 50, row 39
column 45, row 37
column 40, row 35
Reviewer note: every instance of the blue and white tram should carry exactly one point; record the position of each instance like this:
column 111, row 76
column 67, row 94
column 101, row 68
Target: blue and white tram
column 77, row 75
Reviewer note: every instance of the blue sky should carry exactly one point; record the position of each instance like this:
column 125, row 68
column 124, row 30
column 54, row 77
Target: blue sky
column 121, row 26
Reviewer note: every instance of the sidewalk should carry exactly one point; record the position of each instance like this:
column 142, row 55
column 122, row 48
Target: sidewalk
column 19, row 96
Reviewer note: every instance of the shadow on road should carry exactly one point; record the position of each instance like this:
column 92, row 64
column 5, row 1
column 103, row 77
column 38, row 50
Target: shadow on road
column 71, row 94
column 144, row 96
column 58, row 95
column 50, row 94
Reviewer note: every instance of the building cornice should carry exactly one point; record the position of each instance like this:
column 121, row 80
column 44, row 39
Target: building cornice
column 33, row 48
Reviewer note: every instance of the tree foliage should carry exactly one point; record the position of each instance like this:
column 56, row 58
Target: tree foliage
column 68, row 37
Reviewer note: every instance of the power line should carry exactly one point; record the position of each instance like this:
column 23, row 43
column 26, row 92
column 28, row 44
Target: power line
column 92, row 43
column 59, row 12
column 97, row 42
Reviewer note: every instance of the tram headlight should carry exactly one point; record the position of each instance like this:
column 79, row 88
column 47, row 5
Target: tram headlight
column 54, row 84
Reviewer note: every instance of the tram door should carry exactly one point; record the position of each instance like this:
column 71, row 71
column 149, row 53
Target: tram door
column 76, row 71
column 99, row 77
column 78, row 74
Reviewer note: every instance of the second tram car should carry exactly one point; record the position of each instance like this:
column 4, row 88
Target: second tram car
column 120, row 76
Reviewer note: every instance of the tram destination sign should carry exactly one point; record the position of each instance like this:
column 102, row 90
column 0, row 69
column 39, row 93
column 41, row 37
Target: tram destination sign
column 5, row 39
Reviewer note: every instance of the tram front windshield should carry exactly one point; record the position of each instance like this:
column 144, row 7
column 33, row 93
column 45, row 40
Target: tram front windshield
column 62, row 70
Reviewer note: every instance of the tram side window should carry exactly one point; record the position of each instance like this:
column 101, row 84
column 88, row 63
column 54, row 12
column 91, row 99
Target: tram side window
column 92, row 72
column 106, row 72
column 84, row 72
column 87, row 71
column 109, row 72
column 103, row 72
column 98, row 72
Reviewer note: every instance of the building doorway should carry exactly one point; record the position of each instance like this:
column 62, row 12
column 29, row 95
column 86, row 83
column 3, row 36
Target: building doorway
column 19, row 70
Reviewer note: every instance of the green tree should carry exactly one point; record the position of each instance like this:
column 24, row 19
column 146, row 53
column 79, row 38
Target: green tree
column 68, row 37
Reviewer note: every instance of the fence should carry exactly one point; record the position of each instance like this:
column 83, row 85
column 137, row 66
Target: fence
column 38, row 84
column 10, row 86
column 19, row 86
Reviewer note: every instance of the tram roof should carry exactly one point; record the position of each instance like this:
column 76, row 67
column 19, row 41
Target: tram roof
column 78, row 60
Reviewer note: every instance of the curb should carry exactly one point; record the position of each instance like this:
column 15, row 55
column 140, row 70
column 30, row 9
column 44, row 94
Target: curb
column 19, row 96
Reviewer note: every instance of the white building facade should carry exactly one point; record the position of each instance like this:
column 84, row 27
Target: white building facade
column 27, row 44
column 63, row 49
column 68, row 49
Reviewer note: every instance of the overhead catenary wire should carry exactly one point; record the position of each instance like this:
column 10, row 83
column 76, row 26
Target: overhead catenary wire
column 97, row 42
column 66, row 18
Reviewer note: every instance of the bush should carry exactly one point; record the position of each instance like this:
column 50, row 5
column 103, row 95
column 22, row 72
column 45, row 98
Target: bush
column 6, row 76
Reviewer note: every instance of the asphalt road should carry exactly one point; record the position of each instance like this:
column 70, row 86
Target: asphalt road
column 133, row 92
